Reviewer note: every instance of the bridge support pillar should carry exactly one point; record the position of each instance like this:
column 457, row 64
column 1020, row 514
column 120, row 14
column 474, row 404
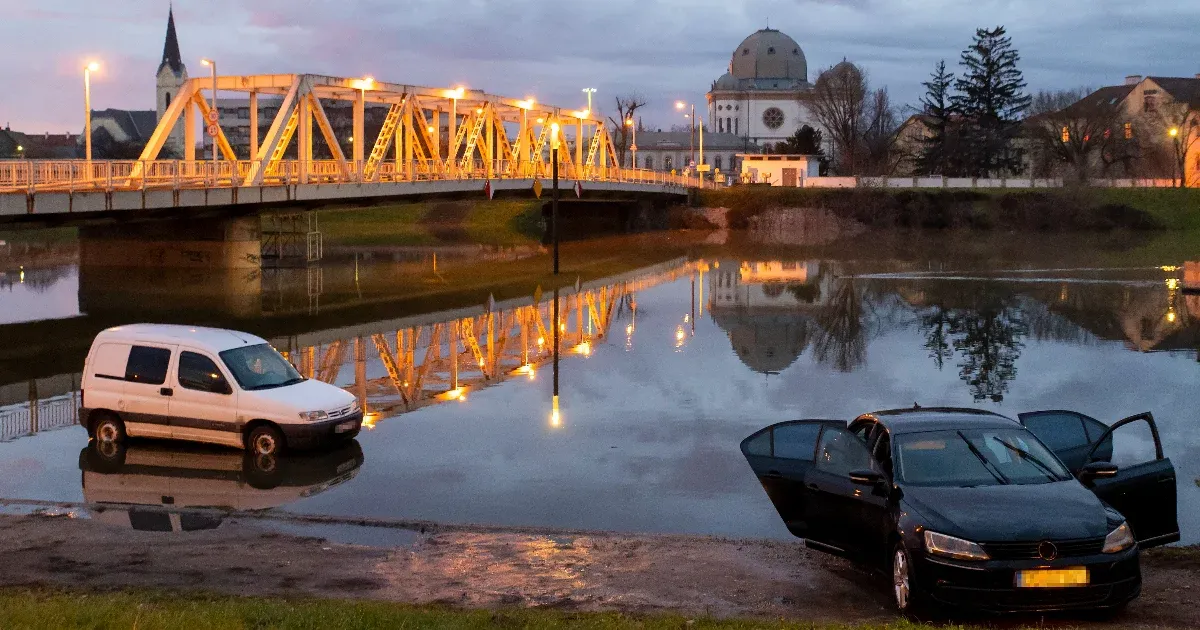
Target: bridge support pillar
column 174, row 244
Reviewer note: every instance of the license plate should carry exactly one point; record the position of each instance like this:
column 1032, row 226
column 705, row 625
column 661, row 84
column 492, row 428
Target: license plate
column 344, row 427
column 1053, row 578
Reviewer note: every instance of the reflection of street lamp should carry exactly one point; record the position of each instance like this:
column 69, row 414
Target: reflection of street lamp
column 87, row 111
column 555, row 417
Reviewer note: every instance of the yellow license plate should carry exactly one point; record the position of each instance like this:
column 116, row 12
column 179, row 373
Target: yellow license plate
column 1052, row 578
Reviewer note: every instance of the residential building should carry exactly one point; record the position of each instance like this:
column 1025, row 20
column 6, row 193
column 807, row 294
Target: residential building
column 673, row 150
column 44, row 146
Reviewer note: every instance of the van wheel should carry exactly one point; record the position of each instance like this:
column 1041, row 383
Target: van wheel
column 264, row 439
column 108, row 428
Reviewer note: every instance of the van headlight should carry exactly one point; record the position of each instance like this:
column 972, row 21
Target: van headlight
column 1119, row 539
column 355, row 407
column 951, row 547
column 314, row 416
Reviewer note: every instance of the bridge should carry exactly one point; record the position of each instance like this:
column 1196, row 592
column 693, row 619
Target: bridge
column 425, row 359
column 492, row 143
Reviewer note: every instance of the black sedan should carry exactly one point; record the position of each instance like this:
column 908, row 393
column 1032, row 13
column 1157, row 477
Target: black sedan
column 969, row 508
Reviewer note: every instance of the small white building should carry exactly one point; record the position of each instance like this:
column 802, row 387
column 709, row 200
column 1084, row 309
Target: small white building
column 779, row 169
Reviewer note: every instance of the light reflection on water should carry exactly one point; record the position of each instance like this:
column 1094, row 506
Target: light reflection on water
column 654, row 402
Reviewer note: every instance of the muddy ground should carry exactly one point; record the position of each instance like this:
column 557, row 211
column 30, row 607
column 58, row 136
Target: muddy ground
column 491, row 568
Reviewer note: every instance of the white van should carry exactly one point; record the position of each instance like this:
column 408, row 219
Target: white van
column 207, row 385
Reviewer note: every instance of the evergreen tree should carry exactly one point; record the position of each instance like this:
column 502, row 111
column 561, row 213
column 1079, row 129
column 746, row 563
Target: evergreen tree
column 937, row 147
column 991, row 100
column 806, row 141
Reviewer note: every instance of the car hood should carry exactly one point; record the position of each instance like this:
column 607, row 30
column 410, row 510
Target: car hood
column 308, row 395
column 1062, row 510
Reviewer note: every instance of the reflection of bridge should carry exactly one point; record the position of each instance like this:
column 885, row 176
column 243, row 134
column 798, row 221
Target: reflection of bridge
column 500, row 140
column 428, row 359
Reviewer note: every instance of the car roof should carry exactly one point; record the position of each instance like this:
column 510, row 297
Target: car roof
column 917, row 419
column 212, row 339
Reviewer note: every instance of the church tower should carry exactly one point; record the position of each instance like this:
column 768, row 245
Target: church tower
column 171, row 75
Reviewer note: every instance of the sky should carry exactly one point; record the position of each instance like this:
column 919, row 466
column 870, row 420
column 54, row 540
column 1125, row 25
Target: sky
column 663, row 50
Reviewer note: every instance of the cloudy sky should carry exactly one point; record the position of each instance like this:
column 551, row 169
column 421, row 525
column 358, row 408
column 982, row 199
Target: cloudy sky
column 663, row 49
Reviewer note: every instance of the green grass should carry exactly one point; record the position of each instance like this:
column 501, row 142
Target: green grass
column 496, row 222
column 21, row 609
column 1176, row 208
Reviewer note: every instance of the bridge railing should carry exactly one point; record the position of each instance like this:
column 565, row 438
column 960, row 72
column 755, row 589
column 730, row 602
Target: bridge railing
column 32, row 176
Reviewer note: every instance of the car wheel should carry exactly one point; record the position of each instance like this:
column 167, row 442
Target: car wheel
column 264, row 439
column 108, row 428
column 902, row 592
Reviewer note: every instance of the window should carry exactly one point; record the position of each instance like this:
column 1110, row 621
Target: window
column 727, row 127
column 1150, row 101
column 720, row 125
column 840, row 452
column 649, row 162
column 735, row 125
column 168, row 99
column 717, row 162
column 667, row 163
column 147, row 365
column 1058, row 431
column 260, row 367
column 1066, row 134
column 198, row 372
column 760, row 445
column 975, row 457
column 796, row 441
column 773, row 118
column 770, row 51
column 745, row 51
column 1128, row 131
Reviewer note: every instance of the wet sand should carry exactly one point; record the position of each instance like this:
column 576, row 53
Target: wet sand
column 487, row 569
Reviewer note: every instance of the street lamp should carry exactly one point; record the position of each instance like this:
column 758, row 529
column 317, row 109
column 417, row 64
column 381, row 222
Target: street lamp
column 679, row 105
column 554, row 129
column 589, row 92
column 453, row 95
column 1176, row 168
column 87, row 111
column 633, row 147
column 215, row 117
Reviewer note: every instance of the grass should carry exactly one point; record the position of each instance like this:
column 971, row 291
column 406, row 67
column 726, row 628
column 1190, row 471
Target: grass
column 1018, row 209
column 21, row 609
column 496, row 222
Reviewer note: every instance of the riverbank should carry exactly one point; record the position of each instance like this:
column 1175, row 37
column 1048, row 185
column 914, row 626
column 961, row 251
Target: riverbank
column 495, row 222
column 1080, row 209
column 67, row 572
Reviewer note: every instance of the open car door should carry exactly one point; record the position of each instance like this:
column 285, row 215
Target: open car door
column 780, row 456
column 1144, row 488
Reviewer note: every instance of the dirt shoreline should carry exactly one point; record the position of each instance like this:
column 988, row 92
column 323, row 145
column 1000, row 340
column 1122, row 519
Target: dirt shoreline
column 494, row 568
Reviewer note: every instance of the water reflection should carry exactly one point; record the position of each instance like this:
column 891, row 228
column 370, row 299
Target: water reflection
column 145, row 485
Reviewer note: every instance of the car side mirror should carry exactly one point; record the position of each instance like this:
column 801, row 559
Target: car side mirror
column 866, row 477
column 1098, row 470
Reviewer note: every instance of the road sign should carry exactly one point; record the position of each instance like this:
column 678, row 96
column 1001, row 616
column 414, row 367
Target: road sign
column 213, row 116
column 703, row 168
column 537, row 188
column 213, row 130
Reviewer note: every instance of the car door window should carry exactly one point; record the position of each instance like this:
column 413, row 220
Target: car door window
column 147, row 365
column 840, row 452
column 1144, row 488
column 1058, row 431
column 1127, row 446
column 200, row 373
column 796, row 441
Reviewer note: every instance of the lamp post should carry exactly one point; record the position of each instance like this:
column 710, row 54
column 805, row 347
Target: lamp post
column 589, row 92
column 216, row 117
column 452, row 133
column 554, row 129
column 679, row 105
column 87, row 112
column 1176, row 167
column 633, row 147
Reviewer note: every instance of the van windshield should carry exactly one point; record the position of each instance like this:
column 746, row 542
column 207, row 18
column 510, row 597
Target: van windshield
column 260, row 367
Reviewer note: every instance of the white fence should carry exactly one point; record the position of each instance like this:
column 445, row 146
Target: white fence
column 967, row 182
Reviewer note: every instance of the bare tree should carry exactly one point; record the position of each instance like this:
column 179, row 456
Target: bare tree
column 860, row 122
column 1179, row 123
column 627, row 106
column 1074, row 127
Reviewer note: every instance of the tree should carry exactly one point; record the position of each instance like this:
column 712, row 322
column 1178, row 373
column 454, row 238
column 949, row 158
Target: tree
column 879, row 136
column 990, row 99
column 806, row 141
column 1179, row 123
column 839, row 102
column 938, row 147
column 1073, row 127
column 627, row 106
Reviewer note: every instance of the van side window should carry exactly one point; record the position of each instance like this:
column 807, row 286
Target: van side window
column 147, row 365
column 198, row 372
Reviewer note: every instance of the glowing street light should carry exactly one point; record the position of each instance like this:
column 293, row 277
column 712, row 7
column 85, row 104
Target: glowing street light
column 629, row 123
column 213, row 66
column 454, row 95
column 589, row 92
column 87, row 111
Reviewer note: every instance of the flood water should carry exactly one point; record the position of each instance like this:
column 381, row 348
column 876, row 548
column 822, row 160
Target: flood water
column 676, row 346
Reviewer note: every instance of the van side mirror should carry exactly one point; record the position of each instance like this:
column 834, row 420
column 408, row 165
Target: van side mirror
column 866, row 477
column 1098, row 470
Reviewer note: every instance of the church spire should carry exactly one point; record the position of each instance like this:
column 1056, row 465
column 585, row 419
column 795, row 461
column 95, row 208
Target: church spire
column 171, row 57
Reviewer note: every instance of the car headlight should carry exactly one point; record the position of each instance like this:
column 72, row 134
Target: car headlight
column 951, row 547
column 1119, row 539
column 355, row 407
column 314, row 416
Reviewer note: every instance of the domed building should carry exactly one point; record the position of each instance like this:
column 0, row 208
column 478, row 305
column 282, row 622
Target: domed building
column 760, row 98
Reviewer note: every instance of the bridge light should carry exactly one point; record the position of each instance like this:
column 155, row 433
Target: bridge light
column 430, row 129
column 479, row 110
column 553, row 145
column 456, row 93
column 628, row 122
column 541, row 120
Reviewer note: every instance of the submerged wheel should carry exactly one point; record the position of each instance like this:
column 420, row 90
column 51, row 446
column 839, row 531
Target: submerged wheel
column 902, row 580
column 108, row 429
column 264, row 439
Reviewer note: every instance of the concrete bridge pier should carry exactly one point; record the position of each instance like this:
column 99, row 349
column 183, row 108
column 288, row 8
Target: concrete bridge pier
column 231, row 243
column 584, row 218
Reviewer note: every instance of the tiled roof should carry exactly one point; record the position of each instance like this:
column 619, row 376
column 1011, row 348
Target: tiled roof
column 1180, row 88
column 137, row 124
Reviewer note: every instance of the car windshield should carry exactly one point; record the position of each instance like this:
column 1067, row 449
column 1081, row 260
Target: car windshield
column 975, row 457
column 260, row 367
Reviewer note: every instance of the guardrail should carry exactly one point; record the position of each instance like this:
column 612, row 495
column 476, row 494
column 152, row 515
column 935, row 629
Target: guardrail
column 42, row 415
column 33, row 176
column 979, row 182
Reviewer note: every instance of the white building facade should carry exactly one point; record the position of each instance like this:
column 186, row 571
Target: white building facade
column 761, row 97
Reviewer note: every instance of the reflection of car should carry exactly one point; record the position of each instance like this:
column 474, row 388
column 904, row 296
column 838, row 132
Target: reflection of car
column 207, row 385
column 970, row 508
column 146, row 485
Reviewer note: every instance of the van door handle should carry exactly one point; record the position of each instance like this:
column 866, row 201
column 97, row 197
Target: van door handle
column 773, row 474
column 166, row 391
column 813, row 486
